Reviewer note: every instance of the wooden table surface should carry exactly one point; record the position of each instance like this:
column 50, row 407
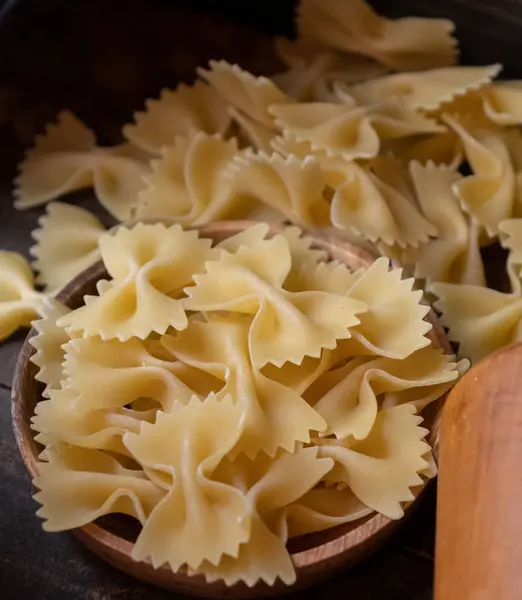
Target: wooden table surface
column 101, row 59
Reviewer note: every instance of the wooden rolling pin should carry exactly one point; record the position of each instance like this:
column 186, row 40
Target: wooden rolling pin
column 479, row 512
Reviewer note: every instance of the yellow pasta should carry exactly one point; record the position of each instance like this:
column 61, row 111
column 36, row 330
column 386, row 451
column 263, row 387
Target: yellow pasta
column 149, row 265
column 19, row 302
column 346, row 130
column 489, row 194
column 291, row 186
column 66, row 244
column 189, row 184
column 66, row 159
column 407, row 44
column 286, row 326
column 274, row 416
column 48, row 343
column 269, row 486
column 425, row 90
column 248, row 94
column 178, row 112
column 382, row 468
column 79, row 485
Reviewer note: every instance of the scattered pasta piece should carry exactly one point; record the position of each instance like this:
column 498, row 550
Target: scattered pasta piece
column 149, row 265
column 425, row 90
column 489, row 194
column 382, row 468
column 48, row 343
column 66, row 159
column 66, row 244
column 479, row 319
column 257, row 135
column 292, row 186
column 178, row 112
column 188, row 184
column 367, row 205
column 247, row 93
column 407, row 44
column 19, row 302
column 348, row 131
column 454, row 254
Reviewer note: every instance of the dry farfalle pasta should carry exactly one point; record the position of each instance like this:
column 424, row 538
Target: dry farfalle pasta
column 149, row 266
column 263, row 415
column 176, row 113
column 19, row 302
column 231, row 396
column 66, row 159
column 407, row 44
column 66, row 244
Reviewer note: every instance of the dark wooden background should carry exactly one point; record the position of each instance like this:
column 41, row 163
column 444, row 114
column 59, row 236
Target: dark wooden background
column 101, row 58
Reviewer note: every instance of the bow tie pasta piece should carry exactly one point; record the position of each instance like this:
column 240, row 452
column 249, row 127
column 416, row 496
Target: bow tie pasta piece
column 323, row 508
column 394, row 325
column 441, row 148
column 78, row 485
column 381, row 469
column 348, row 131
column 365, row 204
column 188, row 182
column 426, row 90
column 270, row 485
column 407, row 44
column 481, row 320
column 66, row 244
column 454, row 254
column 247, row 93
column 274, row 416
column 291, row 186
column 149, row 264
column 59, row 420
column 48, row 344
column 178, row 112
column 66, row 159
column 203, row 519
column 350, row 406
column 19, row 302
column 502, row 102
column 489, row 194
column 112, row 374
column 286, row 326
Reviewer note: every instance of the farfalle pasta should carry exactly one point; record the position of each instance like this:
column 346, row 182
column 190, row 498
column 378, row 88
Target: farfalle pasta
column 407, row 44
column 178, row 112
column 66, row 159
column 20, row 303
column 149, row 266
column 217, row 434
column 231, row 395
column 66, row 244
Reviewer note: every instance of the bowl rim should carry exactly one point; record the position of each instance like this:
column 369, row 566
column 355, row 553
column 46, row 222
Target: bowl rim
column 333, row 555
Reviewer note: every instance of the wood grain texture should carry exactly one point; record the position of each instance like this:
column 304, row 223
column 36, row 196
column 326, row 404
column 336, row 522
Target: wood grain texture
column 316, row 557
column 479, row 521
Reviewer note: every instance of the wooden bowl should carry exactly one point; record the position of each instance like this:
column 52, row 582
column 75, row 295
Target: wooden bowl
column 316, row 557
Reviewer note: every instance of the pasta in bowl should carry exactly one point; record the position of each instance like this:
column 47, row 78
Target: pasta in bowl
column 232, row 410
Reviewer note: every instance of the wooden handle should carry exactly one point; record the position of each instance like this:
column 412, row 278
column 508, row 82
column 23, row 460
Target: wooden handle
column 479, row 512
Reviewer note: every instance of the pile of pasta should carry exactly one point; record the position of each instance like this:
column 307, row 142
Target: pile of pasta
column 232, row 396
column 371, row 131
